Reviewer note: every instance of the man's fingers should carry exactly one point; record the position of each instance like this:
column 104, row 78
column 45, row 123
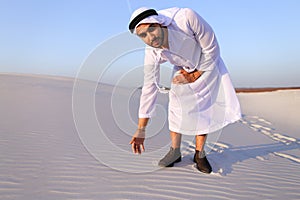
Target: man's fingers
column 143, row 148
column 133, row 148
column 178, row 79
column 137, row 148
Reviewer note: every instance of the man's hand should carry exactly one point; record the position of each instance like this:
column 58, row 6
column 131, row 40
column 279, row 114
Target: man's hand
column 184, row 77
column 137, row 141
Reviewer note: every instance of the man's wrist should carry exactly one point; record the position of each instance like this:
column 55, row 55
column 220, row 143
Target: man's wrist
column 142, row 127
column 196, row 74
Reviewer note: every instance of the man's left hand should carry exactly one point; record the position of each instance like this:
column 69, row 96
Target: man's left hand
column 184, row 77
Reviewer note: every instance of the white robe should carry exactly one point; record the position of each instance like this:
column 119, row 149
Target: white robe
column 201, row 107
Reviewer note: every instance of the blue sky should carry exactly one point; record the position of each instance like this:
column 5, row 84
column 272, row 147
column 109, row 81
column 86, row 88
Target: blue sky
column 259, row 39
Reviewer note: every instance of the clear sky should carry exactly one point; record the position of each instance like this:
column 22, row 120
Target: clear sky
column 259, row 39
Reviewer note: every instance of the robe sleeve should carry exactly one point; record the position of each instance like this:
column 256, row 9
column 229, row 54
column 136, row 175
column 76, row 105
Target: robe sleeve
column 149, row 90
column 205, row 35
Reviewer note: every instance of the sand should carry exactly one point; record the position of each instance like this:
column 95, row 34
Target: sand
column 46, row 152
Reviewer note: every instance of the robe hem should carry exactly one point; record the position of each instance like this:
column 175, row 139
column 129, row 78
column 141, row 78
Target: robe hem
column 207, row 131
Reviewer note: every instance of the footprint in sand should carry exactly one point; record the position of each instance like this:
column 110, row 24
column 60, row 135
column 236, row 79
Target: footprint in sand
column 217, row 147
column 287, row 156
column 189, row 147
column 263, row 126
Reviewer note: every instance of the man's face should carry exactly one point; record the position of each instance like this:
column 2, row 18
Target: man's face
column 151, row 34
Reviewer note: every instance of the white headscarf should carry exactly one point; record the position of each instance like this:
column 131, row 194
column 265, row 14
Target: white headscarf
column 164, row 17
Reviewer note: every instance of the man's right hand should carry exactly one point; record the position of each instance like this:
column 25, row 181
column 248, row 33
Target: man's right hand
column 137, row 141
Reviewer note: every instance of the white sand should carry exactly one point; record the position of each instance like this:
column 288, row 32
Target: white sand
column 43, row 156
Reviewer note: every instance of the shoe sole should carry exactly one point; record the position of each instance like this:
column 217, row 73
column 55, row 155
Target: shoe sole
column 205, row 172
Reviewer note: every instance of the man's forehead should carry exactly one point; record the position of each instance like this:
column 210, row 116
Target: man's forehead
column 142, row 27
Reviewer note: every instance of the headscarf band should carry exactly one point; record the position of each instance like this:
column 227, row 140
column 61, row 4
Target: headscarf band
column 140, row 17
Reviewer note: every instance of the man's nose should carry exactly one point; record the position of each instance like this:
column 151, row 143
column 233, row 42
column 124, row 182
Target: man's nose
column 151, row 36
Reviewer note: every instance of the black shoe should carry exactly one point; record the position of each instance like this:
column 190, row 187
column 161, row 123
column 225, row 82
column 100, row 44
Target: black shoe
column 202, row 162
column 173, row 156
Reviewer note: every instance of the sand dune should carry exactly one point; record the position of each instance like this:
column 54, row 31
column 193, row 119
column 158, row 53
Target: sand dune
column 44, row 154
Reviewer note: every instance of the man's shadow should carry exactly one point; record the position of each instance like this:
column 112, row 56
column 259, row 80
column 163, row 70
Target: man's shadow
column 222, row 160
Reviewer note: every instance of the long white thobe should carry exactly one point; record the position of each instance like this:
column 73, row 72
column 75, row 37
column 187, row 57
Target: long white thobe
column 201, row 107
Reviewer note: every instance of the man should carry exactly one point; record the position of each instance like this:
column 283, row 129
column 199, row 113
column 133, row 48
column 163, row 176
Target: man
column 202, row 99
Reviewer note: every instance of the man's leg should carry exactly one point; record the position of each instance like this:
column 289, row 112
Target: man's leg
column 200, row 157
column 176, row 139
column 200, row 142
column 174, row 155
